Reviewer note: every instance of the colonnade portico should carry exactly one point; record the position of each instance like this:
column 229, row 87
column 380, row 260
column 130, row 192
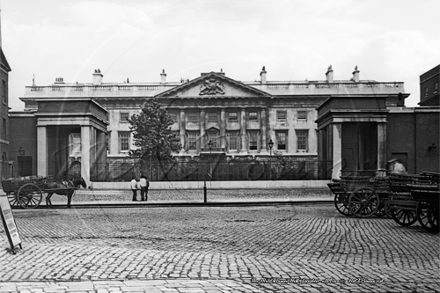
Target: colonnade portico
column 223, row 127
column 55, row 124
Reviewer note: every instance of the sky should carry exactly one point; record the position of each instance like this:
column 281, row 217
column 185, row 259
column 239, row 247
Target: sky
column 389, row 40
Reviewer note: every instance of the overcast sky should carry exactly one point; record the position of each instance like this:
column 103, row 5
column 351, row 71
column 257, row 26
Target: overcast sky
column 389, row 40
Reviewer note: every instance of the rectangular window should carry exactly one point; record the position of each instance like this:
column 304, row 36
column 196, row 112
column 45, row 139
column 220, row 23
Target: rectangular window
column 233, row 116
column 253, row 116
column 124, row 116
column 212, row 117
column 174, row 117
column 426, row 92
column 303, row 139
column 302, row 115
column 281, row 115
column 4, row 128
column 124, row 141
column 234, row 140
column 4, row 92
column 193, row 117
column 192, row 140
column 253, row 140
column 281, row 140
column 108, row 137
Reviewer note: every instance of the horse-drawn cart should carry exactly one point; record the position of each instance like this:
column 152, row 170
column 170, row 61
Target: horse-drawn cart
column 361, row 193
column 405, row 198
column 28, row 192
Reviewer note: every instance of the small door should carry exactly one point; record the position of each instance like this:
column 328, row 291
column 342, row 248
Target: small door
column 350, row 156
column 25, row 165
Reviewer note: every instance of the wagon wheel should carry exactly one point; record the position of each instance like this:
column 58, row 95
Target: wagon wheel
column 341, row 204
column 384, row 209
column 427, row 216
column 12, row 199
column 29, row 196
column 404, row 217
column 363, row 202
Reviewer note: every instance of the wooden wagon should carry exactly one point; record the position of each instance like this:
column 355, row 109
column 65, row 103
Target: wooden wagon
column 28, row 192
column 415, row 198
column 361, row 193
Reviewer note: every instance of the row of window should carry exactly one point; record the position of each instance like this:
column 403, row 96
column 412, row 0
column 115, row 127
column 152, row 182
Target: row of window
column 233, row 116
column 214, row 116
column 435, row 90
column 233, row 140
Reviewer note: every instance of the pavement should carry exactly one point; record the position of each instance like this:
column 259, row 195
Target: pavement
column 298, row 253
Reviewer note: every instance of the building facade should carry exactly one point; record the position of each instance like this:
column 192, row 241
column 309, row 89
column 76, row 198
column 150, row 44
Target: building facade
column 6, row 166
column 212, row 114
column 429, row 92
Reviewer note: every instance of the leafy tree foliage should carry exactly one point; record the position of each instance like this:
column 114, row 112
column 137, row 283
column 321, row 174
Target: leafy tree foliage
column 152, row 133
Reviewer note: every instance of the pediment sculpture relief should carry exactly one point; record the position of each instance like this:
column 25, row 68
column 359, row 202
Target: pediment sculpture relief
column 211, row 87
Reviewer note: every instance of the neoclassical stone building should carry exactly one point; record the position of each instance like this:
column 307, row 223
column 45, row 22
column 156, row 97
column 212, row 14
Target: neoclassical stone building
column 212, row 113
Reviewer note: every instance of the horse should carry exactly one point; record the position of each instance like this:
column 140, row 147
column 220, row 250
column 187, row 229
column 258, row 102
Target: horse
column 64, row 188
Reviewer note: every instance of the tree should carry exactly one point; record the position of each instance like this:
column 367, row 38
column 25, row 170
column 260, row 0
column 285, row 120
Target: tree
column 152, row 134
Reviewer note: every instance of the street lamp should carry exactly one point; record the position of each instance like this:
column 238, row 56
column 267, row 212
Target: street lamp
column 270, row 144
column 205, row 197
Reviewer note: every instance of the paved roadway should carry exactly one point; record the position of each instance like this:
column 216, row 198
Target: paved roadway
column 288, row 248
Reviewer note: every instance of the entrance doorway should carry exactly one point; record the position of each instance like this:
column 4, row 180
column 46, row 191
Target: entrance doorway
column 359, row 146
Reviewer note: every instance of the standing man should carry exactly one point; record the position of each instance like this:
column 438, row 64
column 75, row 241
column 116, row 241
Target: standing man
column 144, row 183
column 134, row 187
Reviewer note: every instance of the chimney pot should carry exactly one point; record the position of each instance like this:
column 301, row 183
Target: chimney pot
column 263, row 74
column 329, row 74
column 97, row 77
column 163, row 76
column 355, row 74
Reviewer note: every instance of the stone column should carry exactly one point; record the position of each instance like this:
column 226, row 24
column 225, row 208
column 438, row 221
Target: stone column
column 223, row 129
column 203, row 129
column 337, row 150
column 243, row 130
column 381, row 146
column 182, row 130
column 42, row 163
column 85, row 153
column 264, row 142
column 101, row 156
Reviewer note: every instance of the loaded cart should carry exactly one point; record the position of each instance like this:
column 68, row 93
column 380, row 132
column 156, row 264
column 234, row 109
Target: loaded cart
column 415, row 198
column 361, row 193
column 26, row 192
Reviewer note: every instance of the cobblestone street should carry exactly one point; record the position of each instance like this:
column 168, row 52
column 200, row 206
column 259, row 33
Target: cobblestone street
column 217, row 249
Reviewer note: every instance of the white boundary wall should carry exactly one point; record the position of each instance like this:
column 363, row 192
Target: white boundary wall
column 217, row 184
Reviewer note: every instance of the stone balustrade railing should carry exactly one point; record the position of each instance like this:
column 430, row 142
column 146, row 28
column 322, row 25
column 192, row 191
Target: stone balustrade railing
column 273, row 88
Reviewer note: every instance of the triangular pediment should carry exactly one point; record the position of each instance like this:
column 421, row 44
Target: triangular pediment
column 213, row 85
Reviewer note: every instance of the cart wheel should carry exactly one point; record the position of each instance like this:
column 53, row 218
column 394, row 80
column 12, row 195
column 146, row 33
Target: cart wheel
column 341, row 204
column 404, row 217
column 384, row 209
column 427, row 215
column 363, row 202
column 12, row 200
column 29, row 196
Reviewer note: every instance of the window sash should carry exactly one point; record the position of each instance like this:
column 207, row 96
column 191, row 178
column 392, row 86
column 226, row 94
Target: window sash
column 302, row 115
column 234, row 141
column 124, row 141
column 192, row 141
column 212, row 117
column 253, row 140
column 281, row 115
column 232, row 116
column 253, row 116
column 281, row 140
column 124, row 116
column 193, row 117
column 302, row 136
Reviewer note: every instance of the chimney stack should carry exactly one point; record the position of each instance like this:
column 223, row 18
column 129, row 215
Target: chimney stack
column 355, row 74
column 263, row 75
column 163, row 76
column 329, row 74
column 97, row 77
